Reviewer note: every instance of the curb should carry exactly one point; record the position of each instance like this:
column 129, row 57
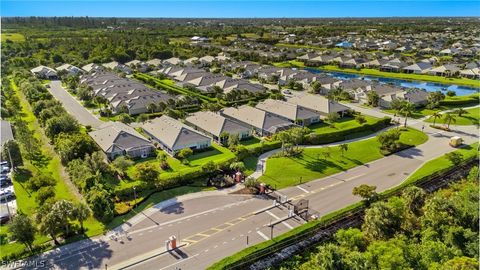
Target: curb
column 128, row 264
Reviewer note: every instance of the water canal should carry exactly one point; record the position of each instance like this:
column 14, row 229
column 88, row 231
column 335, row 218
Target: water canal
column 460, row 90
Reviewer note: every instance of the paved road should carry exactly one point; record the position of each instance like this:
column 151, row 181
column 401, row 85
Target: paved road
column 217, row 226
column 73, row 107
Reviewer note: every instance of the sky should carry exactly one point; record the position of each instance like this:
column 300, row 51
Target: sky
column 241, row 9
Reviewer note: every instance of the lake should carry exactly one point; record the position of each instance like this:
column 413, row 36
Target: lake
column 460, row 90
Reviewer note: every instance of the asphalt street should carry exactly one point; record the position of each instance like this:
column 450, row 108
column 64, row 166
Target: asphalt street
column 73, row 107
column 217, row 226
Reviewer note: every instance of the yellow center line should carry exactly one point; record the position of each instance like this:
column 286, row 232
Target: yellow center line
column 216, row 230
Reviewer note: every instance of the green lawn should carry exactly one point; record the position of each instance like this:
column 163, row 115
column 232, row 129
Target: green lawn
column 217, row 154
column 417, row 113
column 15, row 37
column 312, row 164
column 344, row 123
column 250, row 164
column 50, row 165
column 470, row 118
column 442, row 163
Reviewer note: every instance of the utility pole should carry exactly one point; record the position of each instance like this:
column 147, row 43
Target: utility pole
column 247, row 240
column 135, row 197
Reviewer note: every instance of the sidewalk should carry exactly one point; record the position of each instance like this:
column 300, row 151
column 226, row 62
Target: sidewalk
column 147, row 256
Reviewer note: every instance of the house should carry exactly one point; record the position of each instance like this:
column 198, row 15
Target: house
column 445, row 70
column 394, row 65
column 92, row 67
column 69, row 69
column 473, row 73
column 123, row 95
column 172, row 61
column 264, row 123
column 6, row 132
column 418, row 97
column 214, row 125
column 173, row 136
column 375, row 63
column 418, row 68
column 289, row 111
column 154, row 63
column 229, row 84
column 138, row 65
column 114, row 65
column 118, row 139
column 318, row 104
column 44, row 72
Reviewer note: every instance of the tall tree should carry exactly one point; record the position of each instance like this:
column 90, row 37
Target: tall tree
column 22, row 229
column 449, row 118
column 81, row 212
column 435, row 115
column 407, row 110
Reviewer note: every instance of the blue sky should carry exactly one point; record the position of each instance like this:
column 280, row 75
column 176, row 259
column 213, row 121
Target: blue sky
column 230, row 9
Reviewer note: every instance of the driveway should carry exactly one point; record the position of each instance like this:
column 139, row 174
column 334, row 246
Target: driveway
column 73, row 106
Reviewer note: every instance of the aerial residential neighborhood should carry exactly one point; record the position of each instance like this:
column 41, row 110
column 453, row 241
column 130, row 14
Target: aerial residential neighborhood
column 240, row 135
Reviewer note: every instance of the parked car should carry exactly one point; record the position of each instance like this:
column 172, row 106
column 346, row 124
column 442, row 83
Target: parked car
column 6, row 182
column 4, row 218
column 5, row 169
column 6, row 195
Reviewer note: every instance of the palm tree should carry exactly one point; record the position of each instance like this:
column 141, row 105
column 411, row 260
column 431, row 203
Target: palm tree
column 436, row 115
column 460, row 112
column 81, row 213
column 407, row 110
column 449, row 118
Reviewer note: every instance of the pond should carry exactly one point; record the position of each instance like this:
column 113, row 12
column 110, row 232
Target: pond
column 460, row 90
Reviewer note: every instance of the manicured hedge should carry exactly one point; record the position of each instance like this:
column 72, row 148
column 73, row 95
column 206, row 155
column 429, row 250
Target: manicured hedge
column 336, row 136
column 464, row 100
column 172, row 180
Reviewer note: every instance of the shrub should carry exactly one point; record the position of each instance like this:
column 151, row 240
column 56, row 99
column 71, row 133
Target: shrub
column 147, row 172
column 40, row 180
column 45, row 193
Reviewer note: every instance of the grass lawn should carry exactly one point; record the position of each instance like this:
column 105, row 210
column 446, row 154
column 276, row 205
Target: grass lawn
column 250, row 164
column 472, row 98
column 404, row 76
column 342, row 124
column 217, row 154
column 15, row 37
column 470, row 118
column 441, row 163
column 417, row 113
column 312, row 164
column 50, row 164
column 289, row 64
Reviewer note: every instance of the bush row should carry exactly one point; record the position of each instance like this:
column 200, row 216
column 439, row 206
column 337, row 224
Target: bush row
column 172, row 180
column 341, row 135
column 472, row 99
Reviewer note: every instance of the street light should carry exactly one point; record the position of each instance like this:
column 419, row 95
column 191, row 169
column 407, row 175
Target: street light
column 135, row 197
